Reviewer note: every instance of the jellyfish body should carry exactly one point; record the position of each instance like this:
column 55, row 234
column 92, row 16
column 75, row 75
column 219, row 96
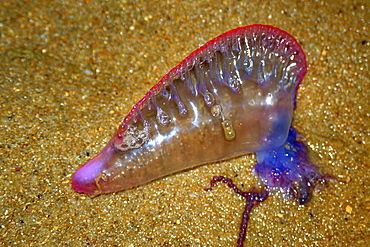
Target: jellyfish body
column 234, row 95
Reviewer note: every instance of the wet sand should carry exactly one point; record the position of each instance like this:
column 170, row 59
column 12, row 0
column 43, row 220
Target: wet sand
column 71, row 70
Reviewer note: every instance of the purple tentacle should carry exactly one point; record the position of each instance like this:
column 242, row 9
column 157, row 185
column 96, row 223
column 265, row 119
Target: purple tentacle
column 252, row 198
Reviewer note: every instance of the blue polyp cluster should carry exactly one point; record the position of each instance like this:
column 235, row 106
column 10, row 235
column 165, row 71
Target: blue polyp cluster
column 286, row 168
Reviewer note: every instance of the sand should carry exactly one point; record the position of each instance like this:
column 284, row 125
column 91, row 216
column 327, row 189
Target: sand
column 71, row 70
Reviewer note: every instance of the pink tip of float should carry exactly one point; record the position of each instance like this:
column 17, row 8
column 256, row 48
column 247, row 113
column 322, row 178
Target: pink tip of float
column 86, row 178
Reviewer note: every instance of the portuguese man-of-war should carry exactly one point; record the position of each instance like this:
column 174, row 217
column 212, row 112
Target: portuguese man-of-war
column 232, row 96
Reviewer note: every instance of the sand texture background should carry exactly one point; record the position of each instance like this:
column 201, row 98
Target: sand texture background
column 71, row 70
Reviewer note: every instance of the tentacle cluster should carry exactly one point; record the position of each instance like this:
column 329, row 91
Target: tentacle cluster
column 288, row 168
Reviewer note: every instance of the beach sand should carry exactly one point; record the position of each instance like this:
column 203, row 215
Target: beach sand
column 71, row 70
